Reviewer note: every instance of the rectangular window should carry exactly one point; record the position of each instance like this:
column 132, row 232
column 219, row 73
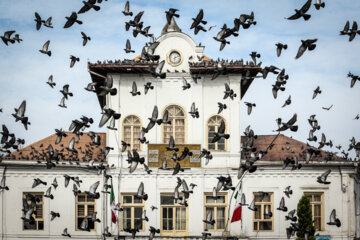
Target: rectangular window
column 173, row 216
column 35, row 199
column 317, row 208
column 133, row 209
column 218, row 208
column 261, row 221
column 85, row 207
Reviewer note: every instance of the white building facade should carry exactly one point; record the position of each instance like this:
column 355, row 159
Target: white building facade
column 173, row 219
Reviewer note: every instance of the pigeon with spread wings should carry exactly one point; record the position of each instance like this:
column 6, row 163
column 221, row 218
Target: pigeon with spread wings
column 220, row 133
column 302, row 12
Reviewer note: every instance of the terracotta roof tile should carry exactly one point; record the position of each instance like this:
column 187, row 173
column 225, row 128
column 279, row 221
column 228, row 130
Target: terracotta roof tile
column 35, row 150
column 284, row 147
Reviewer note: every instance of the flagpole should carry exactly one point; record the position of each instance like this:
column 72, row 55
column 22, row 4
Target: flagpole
column 228, row 218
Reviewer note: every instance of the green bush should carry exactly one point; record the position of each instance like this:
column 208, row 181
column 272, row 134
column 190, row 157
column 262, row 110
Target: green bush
column 305, row 219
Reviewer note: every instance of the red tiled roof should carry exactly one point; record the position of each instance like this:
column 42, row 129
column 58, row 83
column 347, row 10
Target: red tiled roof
column 284, row 147
column 35, row 150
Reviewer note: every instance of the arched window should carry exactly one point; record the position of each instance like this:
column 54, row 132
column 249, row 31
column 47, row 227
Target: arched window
column 177, row 126
column 212, row 125
column 131, row 131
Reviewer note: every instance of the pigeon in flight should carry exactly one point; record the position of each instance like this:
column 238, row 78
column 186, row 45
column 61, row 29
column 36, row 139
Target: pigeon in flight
column 153, row 231
column 302, row 12
column 350, row 32
column 185, row 85
column 135, row 22
column 92, row 190
column 48, row 193
column 282, row 206
column 85, row 38
column 51, row 82
column 45, row 48
column 134, row 90
column 90, row 4
column 62, row 103
column 71, row 20
column 249, row 107
column 65, row 233
column 209, row 219
column 73, row 60
column 38, row 21
column 354, row 78
column 170, row 14
column 171, row 146
column 291, row 216
column 107, row 87
column 279, row 48
column 158, row 69
column 229, row 92
column 220, row 37
column 316, row 92
column 126, row 11
column 306, row 44
column 289, row 125
column 318, row 4
column 140, row 192
column 54, row 215
column 148, row 86
column 128, row 47
column 37, row 182
column 19, row 115
column 197, row 21
column 65, row 91
column 194, row 112
column 288, row 191
column 48, row 23
column 333, row 220
column 220, row 133
column 287, row 102
column 327, row 108
column 357, row 117
column 7, row 37
column 106, row 115
column 221, row 106
column 323, row 177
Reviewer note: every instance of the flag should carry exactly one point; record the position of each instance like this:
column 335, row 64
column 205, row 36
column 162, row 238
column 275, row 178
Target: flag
column 112, row 204
column 237, row 212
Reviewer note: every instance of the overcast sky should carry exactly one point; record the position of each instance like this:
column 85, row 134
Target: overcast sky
column 24, row 70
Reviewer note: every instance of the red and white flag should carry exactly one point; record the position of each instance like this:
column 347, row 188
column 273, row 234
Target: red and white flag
column 237, row 212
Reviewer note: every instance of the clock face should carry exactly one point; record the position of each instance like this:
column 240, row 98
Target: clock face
column 175, row 58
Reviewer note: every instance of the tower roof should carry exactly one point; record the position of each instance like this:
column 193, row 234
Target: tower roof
column 172, row 27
